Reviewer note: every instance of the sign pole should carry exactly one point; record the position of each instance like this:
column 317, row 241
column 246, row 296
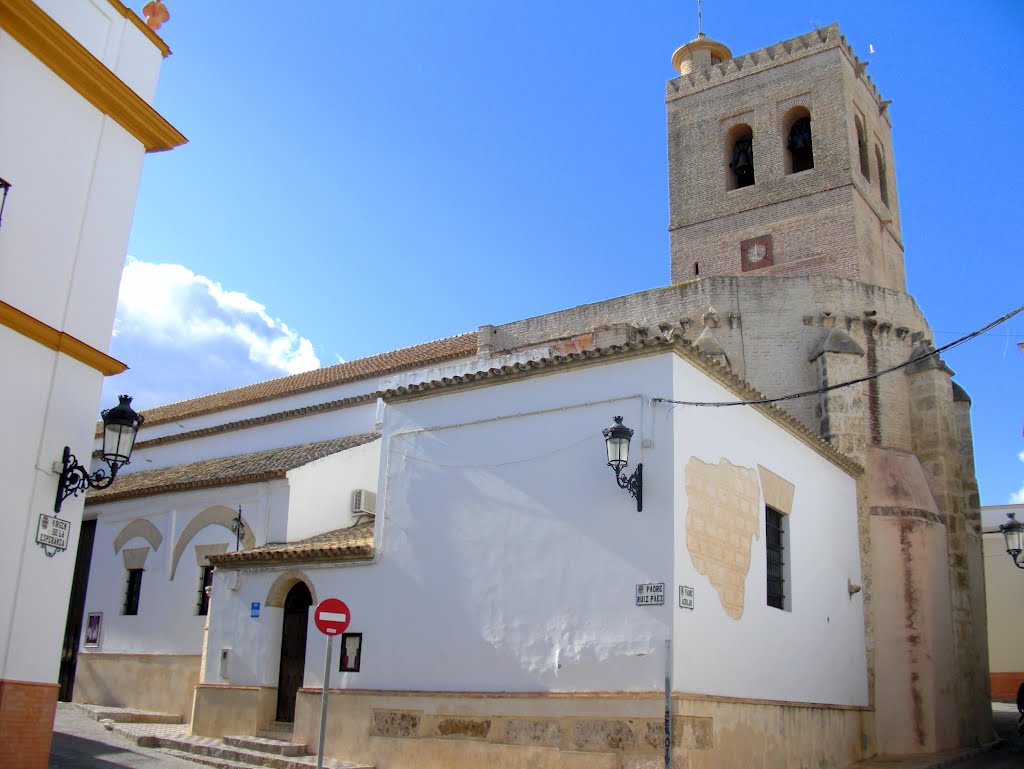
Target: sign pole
column 323, row 705
column 668, row 703
column 331, row 617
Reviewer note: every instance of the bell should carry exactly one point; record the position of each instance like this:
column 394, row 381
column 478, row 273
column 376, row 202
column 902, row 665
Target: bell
column 800, row 135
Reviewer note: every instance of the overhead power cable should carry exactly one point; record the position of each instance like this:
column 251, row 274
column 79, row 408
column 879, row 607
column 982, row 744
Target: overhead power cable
column 859, row 380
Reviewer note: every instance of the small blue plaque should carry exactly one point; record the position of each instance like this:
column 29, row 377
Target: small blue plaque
column 254, row 610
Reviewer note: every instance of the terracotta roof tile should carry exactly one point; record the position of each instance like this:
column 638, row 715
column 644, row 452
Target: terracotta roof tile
column 361, row 368
column 224, row 471
column 352, row 543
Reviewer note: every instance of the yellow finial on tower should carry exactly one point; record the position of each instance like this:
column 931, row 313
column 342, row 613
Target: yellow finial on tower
column 701, row 52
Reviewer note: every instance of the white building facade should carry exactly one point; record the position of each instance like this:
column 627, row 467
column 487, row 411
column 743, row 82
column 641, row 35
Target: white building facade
column 78, row 79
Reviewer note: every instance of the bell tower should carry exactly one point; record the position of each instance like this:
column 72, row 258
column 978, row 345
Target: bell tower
column 780, row 164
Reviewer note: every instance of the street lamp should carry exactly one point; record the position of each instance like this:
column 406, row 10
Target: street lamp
column 1013, row 533
column 120, row 426
column 238, row 527
column 616, row 440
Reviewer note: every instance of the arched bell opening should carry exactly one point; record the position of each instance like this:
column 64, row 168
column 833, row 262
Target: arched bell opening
column 799, row 154
column 739, row 157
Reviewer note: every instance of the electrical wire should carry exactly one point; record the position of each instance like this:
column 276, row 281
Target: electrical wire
column 859, row 380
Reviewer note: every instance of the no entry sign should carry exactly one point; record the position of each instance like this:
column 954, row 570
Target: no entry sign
column 332, row 616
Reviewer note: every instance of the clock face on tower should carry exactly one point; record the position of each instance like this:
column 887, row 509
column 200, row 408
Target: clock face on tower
column 756, row 253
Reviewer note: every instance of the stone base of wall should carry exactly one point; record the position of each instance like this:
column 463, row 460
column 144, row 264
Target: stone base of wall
column 26, row 723
column 160, row 682
column 223, row 709
column 451, row 730
column 1005, row 685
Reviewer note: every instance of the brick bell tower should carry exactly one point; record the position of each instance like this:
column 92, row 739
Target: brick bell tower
column 780, row 164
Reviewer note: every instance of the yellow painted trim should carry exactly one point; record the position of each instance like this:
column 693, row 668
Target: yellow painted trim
column 50, row 337
column 133, row 17
column 54, row 46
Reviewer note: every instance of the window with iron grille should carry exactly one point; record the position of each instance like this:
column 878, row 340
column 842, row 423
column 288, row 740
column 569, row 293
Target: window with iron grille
column 133, row 591
column 205, row 581
column 775, row 544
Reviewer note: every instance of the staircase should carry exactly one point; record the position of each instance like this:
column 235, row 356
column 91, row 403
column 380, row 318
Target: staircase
column 272, row 748
column 244, row 752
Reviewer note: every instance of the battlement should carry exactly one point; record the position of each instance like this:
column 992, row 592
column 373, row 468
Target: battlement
column 816, row 41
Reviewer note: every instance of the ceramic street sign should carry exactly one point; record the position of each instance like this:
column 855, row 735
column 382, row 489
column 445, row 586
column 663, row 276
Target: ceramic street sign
column 332, row 616
column 650, row 594
column 52, row 533
column 685, row 597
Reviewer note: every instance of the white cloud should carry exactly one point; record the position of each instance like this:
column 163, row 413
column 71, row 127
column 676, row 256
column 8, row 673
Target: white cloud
column 1017, row 497
column 185, row 335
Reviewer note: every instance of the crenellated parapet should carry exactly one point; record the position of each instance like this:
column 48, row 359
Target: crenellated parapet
column 784, row 52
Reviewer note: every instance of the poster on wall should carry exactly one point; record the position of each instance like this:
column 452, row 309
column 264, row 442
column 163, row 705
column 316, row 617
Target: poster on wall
column 93, row 627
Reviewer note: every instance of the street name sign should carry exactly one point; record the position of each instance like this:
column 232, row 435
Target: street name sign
column 650, row 594
column 53, row 533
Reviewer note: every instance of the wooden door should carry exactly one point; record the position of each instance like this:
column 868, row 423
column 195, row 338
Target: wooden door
column 293, row 649
column 76, row 608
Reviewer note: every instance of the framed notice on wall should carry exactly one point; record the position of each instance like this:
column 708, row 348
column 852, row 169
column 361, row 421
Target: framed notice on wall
column 93, row 628
column 351, row 652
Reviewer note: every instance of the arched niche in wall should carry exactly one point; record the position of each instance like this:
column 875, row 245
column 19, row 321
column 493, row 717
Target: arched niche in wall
column 285, row 582
column 217, row 515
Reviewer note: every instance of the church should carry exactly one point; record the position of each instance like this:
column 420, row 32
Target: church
column 797, row 580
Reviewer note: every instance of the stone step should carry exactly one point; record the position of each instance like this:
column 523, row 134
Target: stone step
column 268, row 744
column 278, row 730
column 219, row 763
column 126, row 715
column 203, row 749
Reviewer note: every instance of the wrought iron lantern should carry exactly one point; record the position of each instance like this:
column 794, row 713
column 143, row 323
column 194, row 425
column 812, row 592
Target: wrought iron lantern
column 238, row 527
column 4, row 187
column 1013, row 533
column 120, row 426
column 616, row 440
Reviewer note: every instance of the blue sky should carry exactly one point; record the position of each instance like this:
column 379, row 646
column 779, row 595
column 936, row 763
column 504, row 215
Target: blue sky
column 365, row 176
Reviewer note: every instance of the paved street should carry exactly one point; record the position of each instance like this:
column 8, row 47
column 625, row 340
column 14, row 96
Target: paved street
column 81, row 743
column 1011, row 754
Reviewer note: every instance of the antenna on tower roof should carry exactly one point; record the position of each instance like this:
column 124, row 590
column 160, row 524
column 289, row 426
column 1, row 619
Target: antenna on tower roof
column 700, row 20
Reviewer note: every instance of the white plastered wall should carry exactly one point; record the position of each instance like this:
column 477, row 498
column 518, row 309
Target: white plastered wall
column 816, row 651
column 167, row 622
column 508, row 555
column 320, row 493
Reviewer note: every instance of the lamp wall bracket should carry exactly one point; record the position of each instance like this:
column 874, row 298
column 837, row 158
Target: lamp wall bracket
column 634, row 484
column 75, row 479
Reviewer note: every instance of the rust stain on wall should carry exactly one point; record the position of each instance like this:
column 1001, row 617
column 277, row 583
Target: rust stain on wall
column 723, row 513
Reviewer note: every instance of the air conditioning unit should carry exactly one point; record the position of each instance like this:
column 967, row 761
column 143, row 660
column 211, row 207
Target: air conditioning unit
column 364, row 502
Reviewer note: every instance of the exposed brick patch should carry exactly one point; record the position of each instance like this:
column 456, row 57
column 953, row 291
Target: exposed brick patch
column 693, row 732
column 26, row 724
column 542, row 732
column 593, row 734
column 874, row 411
column 395, row 723
column 472, row 728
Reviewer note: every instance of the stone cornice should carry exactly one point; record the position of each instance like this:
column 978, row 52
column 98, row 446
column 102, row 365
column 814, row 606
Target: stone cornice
column 60, row 341
column 56, row 48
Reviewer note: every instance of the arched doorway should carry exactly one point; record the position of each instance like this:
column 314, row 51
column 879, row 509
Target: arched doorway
column 293, row 649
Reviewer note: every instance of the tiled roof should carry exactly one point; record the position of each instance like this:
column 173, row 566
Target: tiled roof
column 353, row 543
column 374, row 365
column 653, row 343
column 224, row 471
